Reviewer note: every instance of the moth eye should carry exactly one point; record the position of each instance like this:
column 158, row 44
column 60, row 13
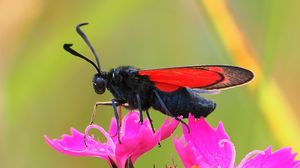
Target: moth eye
column 99, row 84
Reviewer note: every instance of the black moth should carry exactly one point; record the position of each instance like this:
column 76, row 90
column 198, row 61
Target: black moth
column 172, row 91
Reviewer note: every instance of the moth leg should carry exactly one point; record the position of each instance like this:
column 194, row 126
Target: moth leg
column 140, row 108
column 107, row 103
column 168, row 112
column 152, row 127
column 93, row 116
column 113, row 101
column 150, row 120
column 120, row 114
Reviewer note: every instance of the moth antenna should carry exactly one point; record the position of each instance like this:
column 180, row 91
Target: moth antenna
column 68, row 48
column 84, row 37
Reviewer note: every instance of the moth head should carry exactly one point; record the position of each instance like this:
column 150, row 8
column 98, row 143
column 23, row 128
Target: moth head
column 99, row 84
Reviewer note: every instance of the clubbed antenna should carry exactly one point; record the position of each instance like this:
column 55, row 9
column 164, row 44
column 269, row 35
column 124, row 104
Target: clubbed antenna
column 84, row 37
column 68, row 48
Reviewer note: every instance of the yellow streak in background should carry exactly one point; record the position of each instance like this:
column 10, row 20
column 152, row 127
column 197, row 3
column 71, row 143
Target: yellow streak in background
column 279, row 115
column 231, row 36
column 274, row 106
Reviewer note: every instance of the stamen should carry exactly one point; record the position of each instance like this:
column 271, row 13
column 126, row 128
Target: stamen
column 231, row 145
column 249, row 156
column 109, row 142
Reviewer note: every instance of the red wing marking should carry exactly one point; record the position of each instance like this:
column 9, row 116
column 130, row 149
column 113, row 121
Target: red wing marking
column 166, row 87
column 193, row 77
column 205, row 77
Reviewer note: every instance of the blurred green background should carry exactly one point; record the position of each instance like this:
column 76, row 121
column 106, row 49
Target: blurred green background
column 45, row 90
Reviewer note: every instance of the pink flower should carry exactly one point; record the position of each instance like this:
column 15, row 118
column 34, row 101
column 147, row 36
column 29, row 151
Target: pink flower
column 136, row 139
column 208, row 147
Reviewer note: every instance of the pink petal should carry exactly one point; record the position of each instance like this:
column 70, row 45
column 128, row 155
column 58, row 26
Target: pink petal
column 113, row 130
column 187, row 152
column 135, row 146
column 74, row 145
column 283, row 158
column 212, row 146
column 168, row 127
column 136, row 139
column 131, row 124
